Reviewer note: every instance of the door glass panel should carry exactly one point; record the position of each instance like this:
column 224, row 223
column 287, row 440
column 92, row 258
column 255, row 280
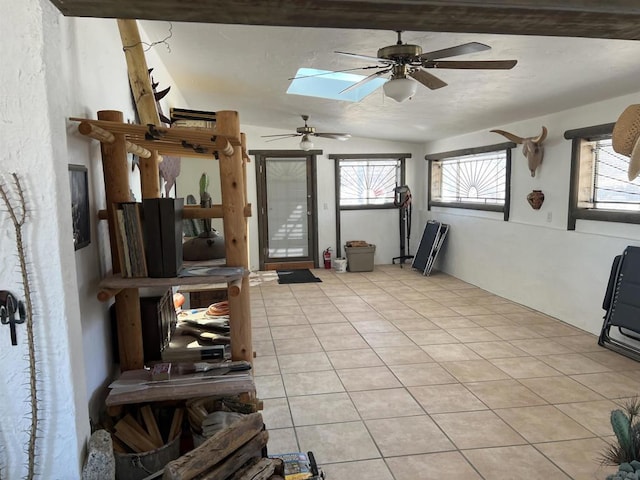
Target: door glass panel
column 288, row 225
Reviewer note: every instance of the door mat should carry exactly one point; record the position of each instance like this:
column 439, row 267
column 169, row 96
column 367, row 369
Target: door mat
column 296, row 276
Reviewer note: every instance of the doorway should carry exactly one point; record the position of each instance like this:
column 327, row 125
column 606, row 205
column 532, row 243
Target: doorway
column 287, row 209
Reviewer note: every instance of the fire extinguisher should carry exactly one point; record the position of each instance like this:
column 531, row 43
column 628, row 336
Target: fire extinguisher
column 326, row 255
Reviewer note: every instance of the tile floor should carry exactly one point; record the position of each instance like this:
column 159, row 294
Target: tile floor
column 391, row 375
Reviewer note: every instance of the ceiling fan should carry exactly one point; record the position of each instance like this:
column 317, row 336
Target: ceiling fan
column 404, row 60
column 306, row 132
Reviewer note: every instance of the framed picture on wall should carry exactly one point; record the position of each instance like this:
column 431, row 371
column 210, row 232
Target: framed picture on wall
column 80, row 206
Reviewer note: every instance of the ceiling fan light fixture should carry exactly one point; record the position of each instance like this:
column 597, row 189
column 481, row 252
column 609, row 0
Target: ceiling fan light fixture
column 400, row 89
column 306, row 144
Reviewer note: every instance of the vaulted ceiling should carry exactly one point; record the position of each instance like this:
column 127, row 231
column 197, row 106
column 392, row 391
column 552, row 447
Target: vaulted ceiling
column 245, row 60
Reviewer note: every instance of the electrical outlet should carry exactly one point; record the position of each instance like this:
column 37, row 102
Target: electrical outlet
column 549, row 217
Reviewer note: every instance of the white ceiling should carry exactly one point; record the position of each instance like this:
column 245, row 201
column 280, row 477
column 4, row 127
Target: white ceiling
column 247, row 68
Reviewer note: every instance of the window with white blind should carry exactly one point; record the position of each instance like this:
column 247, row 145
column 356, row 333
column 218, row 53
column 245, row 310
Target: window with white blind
column 475, row 178
column 600, row 189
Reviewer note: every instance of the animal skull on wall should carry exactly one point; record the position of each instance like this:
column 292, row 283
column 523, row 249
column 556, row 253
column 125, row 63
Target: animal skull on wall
column 531, row 147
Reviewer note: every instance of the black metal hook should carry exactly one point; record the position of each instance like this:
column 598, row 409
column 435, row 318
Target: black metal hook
column 9, row 306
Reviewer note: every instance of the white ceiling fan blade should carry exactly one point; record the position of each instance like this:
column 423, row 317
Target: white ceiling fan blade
column 366, row 57
column 367, row 79
column 335, row 136
column 427, row 79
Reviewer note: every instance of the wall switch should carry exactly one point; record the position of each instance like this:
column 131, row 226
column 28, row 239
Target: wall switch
column 549, row 217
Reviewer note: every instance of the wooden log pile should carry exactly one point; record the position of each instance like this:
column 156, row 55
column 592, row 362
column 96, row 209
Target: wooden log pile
column 235, row 452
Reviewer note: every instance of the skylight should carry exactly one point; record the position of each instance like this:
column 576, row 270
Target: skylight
column 328, row 84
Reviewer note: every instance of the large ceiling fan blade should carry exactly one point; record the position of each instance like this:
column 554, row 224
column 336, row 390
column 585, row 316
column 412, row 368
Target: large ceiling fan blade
column 335, row 136
column 335, row 71
column 367, row 79
column 463, row 49
column 427, row 79
column 281, row 135
column 366, row 57
column 479, row 64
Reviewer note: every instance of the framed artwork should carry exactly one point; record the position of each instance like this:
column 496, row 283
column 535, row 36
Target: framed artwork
column 80, row 206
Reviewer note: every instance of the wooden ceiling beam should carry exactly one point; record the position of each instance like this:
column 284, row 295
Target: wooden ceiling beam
column 566, row 18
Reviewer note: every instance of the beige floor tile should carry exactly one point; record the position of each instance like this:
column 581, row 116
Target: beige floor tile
column 477, row 334
column 515, row 332
column 282, row 440
column 413, row 324
column 435, row 312
column 285, row 320
column 422, row 374
column 337, row 442
column 554, row 329
column 283, row 310
column 560, row 389
column 396, row 402
column 543, row 424
column 286, row 346
column 325, row 408
column 368, row 316
column 402, row 314
column 408, row 436
column 318, row 316
column 491, row 320
column 398, row 339
column 265, row 365
column 524, row 367
column 261, row 334
column 374, row 326
column 472, row 310
column 609, row 384
column 312, row 310
column 364, row 357
column 480, row 429
column 269, row 386
column 367, row 378
column 276, row 413
column 579, row 458
column 446, row 398
column 508, row 307
column 580, row 343
column 333, row 329
column 292, row 331
column 258, row 321
column 453, row 322
column 451, row 352
column 344, row 342
column 402, row 355
column 509, row 463
column 431, row 466
column 573, row 363
column 431, row 337
column 310, row 383
column 304, row 362
column 540, row 346
column 613, row 360
column 365, row 469
column 504, row 394
column 474, row 371
column 596, row 415
column 501, row 349
column 280, row 301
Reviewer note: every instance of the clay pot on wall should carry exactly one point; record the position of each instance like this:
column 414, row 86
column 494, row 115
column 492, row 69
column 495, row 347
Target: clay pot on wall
column 535, row 199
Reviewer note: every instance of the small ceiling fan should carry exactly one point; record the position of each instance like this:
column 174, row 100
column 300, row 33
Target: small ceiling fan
column 404, row 60
column 306, row 132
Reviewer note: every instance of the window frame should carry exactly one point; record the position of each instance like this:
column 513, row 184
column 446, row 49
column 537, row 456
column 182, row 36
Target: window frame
column 401, row 157
column 437, row 157
column 575, row 212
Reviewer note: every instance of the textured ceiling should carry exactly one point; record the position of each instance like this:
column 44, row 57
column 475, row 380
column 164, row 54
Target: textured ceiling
column 247, row 68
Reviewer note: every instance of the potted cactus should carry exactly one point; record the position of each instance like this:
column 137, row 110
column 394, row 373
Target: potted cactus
column 626, row 451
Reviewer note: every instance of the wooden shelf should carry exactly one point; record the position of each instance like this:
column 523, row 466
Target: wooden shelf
column 226, row 275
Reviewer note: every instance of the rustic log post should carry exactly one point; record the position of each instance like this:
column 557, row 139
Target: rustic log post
column 235, row 234
column 116, row 181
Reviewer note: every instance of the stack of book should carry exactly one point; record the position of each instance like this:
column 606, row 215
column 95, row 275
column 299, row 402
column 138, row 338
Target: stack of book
column 130, row 240
column 181, row 117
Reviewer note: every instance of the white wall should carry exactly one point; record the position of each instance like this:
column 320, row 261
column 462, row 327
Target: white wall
column 380, row 227
column 533, row 259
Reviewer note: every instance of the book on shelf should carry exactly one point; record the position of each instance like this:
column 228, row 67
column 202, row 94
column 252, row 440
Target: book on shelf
column 163, row 235
column 130, row 240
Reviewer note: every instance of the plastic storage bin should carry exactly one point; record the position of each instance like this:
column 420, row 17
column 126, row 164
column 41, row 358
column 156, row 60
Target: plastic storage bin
column 360, row 259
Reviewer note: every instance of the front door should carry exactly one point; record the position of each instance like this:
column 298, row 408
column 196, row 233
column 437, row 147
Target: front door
column 287, row 220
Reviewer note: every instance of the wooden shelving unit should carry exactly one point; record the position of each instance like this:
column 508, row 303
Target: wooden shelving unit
column 223, row 143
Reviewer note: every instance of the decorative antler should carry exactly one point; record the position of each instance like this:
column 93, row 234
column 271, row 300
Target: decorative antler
column 531, row 147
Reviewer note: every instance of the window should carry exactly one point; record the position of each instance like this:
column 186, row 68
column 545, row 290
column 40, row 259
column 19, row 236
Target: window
column 476, row 178
column 368, row 181
column 600, row 188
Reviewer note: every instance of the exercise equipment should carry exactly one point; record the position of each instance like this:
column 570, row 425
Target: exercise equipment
column 432, row 239
column 402, row 200
column 622, row 305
